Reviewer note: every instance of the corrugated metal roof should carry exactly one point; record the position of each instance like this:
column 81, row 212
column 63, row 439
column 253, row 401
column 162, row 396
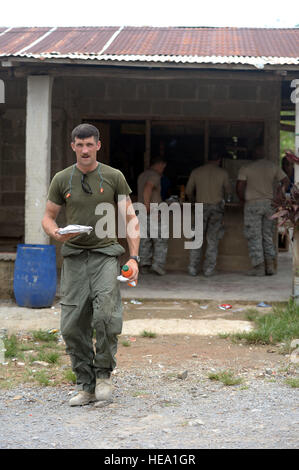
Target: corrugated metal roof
column 70, row 40
column 253, row 46
column 16, row 39
column 206, row 42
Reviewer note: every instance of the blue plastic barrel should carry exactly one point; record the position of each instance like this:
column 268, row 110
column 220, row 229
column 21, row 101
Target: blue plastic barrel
column 35, row 275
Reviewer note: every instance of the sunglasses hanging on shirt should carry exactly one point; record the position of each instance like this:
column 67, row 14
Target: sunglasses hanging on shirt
column 85, row 185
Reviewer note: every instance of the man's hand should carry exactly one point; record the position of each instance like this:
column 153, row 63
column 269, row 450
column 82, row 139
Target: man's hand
column 134, row 266
column 63, row 238
column 147, row 194
column 49, row 223
column 127, row 212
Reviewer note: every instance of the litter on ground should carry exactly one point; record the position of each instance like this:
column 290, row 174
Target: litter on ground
column 225, row 306
column 263, row 304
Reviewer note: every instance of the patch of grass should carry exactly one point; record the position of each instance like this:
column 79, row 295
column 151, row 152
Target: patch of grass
column 148, row 334
column 167, row 403
column 223, row 335
column 226, row 377
column 294, row 382
column 52, row 357
column 281, row 325
column 70, row 376
column 125, row 343
column 251, row 314
column 45, row 336
column 11, row 346
column 139, row 393
column 22, row 351
column 42, row 378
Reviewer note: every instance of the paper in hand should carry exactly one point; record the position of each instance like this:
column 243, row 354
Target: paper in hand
column 75, row 229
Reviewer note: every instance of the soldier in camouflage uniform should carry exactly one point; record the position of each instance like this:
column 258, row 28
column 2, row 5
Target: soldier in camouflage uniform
column 255, row 189
column 210, row 183
column 152, row 250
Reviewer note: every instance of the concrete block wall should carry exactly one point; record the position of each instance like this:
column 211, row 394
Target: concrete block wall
column 172, row 95
column 7, row 261
column 12, row 158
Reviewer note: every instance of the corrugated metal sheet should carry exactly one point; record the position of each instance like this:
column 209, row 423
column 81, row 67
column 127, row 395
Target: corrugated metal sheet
column 253, row 46
column 206, row 42
column 16, row 39
column 72, row 40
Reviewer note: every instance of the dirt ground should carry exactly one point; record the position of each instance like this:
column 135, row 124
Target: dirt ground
column 178, row 350
column 187, row 334
column 194, row 346
column 168, row 393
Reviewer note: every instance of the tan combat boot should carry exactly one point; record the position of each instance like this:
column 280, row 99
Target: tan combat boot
column 103, row 389
column 270, row 266
column 82, row 398
column 258, row 270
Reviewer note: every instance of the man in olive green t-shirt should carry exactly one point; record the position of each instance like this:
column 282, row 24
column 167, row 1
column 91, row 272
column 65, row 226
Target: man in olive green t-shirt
column 255, row 187
column 90, row 296
column 210, row 185
column 153, row 250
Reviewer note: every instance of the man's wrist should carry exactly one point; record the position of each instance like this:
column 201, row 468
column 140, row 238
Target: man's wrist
column 135, row 258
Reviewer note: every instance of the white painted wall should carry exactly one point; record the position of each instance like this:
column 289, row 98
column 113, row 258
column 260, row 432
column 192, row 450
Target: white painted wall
column 2, row 92
column 38, row 155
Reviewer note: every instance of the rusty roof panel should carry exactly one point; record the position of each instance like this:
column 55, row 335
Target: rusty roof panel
column 16, row 39
column 206, row 42
column 154, row 44
column 74, row 40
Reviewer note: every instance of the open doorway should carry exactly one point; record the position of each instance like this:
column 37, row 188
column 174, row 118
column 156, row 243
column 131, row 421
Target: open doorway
column 123, row 147
column 127, row 148
column 182, row 145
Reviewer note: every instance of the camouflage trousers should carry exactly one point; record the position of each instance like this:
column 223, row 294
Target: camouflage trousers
column 152, row 251
column 213, row 231
column 259, row 231
column 90, row 302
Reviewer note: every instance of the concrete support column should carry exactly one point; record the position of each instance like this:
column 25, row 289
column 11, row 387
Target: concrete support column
column 2, row 92
column 38, row 155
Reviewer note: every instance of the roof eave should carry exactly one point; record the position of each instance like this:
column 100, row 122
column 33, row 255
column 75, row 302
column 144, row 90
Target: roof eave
column 159, row 61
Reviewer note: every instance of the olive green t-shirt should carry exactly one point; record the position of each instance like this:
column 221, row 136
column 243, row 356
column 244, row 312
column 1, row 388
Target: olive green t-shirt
column 154, row 177
column 210, row 183
column 260, row 176
column 85, row 209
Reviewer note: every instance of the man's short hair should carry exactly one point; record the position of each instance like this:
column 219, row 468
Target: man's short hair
column 83, row 131
column 214, row 156
column 157, row 159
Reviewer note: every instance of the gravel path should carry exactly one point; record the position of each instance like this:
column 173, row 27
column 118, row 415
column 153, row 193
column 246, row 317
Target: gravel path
column 155, row 410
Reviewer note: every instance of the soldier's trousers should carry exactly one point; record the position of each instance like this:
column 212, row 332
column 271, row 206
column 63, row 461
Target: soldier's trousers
column 259, row 230
column 213, row 231
column 90, row 301
column 152, row 250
